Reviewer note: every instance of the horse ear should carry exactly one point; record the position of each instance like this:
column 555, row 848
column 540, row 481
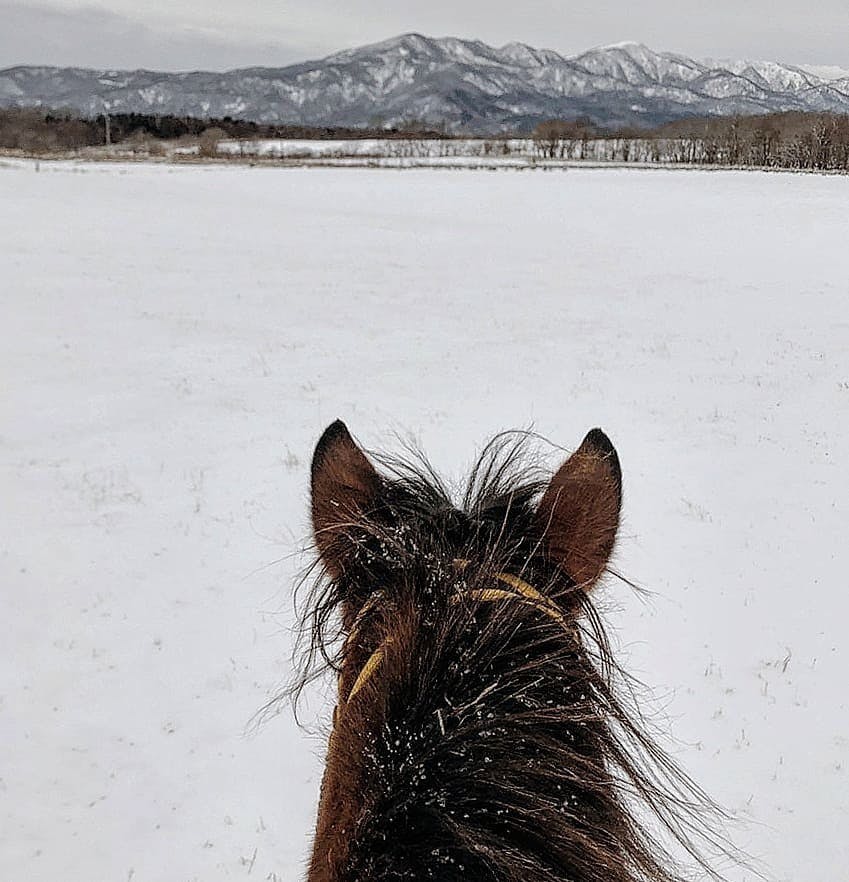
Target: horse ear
column 579, row 512
column 345, row 486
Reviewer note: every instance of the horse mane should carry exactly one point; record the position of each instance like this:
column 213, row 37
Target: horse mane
column 493, row 743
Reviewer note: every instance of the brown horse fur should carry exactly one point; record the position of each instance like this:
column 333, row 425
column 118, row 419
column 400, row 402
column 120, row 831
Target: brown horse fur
column 486, row 742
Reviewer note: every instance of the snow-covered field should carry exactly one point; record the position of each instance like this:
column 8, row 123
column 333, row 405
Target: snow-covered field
column 174, row 340
column 416, row 148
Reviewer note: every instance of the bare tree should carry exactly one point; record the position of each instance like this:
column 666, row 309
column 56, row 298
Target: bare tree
column 209, row 140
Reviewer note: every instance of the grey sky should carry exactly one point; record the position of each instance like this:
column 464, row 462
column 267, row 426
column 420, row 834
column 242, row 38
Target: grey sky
column 189, row 34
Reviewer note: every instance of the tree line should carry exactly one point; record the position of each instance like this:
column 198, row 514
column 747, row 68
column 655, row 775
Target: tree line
column 39, row 130
column 793, row 140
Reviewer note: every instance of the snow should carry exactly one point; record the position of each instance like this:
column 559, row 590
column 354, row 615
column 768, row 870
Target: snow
column 308, row 147
column 828, row 72
column 175, row 339
column 458, row 151
column 778, row 77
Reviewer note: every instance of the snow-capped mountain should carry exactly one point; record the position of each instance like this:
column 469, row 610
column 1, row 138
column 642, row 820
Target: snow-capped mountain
column 463, row 84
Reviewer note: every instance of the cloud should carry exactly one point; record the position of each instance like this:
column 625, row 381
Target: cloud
column 219, row 35
column 97, row 38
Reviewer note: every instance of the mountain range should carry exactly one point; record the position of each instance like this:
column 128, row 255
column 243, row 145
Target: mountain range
column 465, row 85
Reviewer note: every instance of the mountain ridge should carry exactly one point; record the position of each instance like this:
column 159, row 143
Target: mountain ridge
column 465, row 85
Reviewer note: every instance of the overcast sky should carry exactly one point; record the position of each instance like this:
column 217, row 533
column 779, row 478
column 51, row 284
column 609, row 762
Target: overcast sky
column 191, row 34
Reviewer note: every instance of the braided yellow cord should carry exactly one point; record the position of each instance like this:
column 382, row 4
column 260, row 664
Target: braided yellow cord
column 369, row 668
column 542, row 605
column 522, row 591
column 546, row 604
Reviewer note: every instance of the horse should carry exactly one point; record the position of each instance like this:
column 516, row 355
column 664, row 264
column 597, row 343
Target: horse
column 479, row 734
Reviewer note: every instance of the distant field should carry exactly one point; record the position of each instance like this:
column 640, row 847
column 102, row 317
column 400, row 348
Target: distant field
column 174, row 340
column 379, row 147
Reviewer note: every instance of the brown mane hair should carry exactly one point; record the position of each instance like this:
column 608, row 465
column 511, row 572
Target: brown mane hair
column 479, row 734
